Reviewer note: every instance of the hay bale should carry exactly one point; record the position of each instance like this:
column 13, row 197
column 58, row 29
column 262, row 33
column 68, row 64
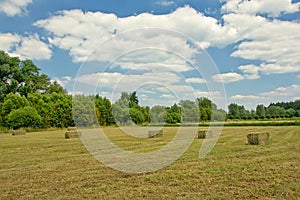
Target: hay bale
column 258, row 138
column 153, row 134
column 18, row 132
column 201, row 134
column 72, row 128
column 72, row 132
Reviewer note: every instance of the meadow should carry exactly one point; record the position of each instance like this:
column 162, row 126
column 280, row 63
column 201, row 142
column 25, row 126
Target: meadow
column 45, row 165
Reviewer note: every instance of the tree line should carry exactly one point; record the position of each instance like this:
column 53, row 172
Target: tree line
column 29, row 99
column 274, row 110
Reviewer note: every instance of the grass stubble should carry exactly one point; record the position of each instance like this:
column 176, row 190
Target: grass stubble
column 45, row 165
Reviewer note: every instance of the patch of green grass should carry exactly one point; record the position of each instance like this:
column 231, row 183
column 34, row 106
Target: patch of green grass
column 45, row 165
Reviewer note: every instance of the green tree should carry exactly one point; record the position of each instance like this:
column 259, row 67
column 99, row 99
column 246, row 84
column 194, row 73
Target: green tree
column 158, row 114
column 218, row 115
column 233, row 111
column 23, row 77
column 12, row 102
column 173, row 114
column 62, row 112
column 55, row 87
column 104, row 111
column 260, row 111
column 136, row 115
column 290, row 113
column 24, row 117
column 84, row 110
column 43, row 105
column 189, row 111
column 133, row 99
column 275, row 111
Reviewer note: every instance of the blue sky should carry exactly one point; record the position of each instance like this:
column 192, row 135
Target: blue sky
column 239, row 51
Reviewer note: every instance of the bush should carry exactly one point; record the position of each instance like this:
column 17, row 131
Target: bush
column 24, row 117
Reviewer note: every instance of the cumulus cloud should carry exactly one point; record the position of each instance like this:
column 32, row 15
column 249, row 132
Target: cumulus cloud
column 153, row 87
column 245, row 97
column 273, row 8
column 275, row 43
column 282, row 92
column 286, row 93
column 14, row 7
column 227, row 77
column 79, row 32
column 250, row 71
column 195, row 80
column 25, row 47
column 8, row 41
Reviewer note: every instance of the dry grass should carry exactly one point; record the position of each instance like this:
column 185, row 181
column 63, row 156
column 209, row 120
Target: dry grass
column 44, row 165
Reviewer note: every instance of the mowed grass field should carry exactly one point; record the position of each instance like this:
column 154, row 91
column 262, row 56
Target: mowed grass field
column 45, row 165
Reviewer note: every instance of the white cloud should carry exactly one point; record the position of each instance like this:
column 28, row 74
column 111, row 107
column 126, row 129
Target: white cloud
column 165, row 3
column 273, row 8
column 153, row 87
column 8, row 41
column 152, row 59
column 227, row 77
column 287, row 93
column 167, row 96
column 29, row 47
column 250, row 71
column 80, row 32
column 32, row 47
column 275, row 43
column 245, row 97
column 282, row 92
column 14, row 7
column 195, row 80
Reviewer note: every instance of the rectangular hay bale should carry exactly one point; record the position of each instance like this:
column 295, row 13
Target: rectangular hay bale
column 201, row 134
column 72, row 134
column 258, row 138
column 18, row 132
column 153, row 134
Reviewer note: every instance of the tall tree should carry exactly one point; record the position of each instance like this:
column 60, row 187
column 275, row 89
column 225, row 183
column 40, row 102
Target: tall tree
column 260, row 111
column 233, row 111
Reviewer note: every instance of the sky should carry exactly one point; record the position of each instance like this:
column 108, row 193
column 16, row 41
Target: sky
column 231, row 51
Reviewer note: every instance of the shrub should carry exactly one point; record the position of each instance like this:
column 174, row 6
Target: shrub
column 24, row 117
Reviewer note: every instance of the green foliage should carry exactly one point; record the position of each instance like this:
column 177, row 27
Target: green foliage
column 136, row 115
column 189, row 111
column 23, row 77
column 11, row 102
column 55, row 87
column 24, row 117
column 218, row 115
column 103, row 111
column 84, row 110
column 158, row 114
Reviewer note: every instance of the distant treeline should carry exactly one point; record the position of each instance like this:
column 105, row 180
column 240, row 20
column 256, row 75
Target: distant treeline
column 274, row 110
column 30, row 99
